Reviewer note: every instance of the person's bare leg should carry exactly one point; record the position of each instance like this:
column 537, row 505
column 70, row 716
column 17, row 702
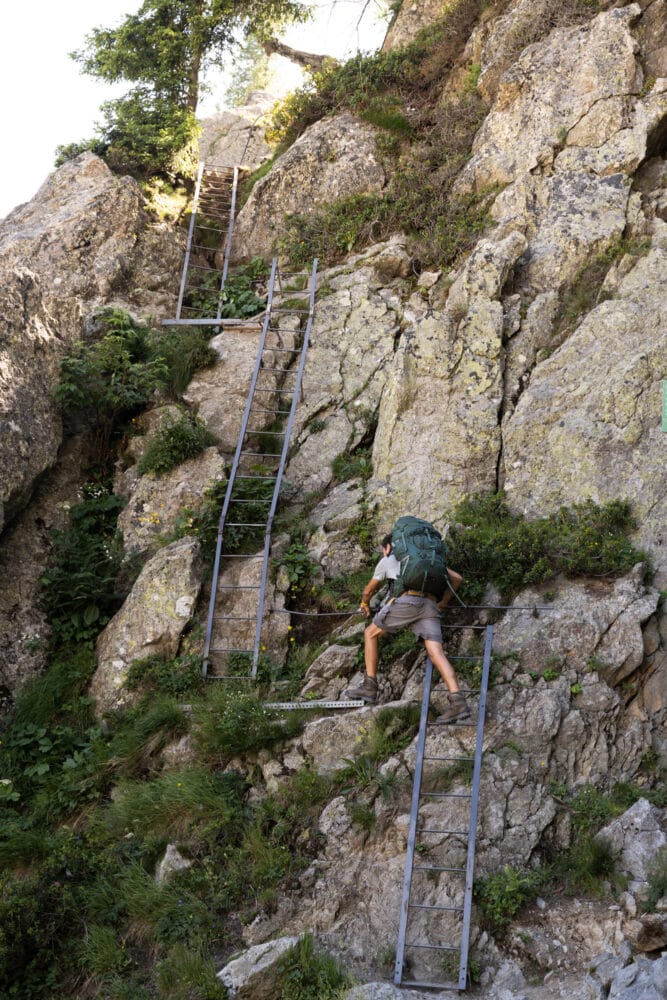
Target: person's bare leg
column 372, row 635
column 441, row 663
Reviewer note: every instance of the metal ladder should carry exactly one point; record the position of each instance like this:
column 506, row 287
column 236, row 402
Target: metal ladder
column 255, row 477
column 201, row 290
column 423, row 952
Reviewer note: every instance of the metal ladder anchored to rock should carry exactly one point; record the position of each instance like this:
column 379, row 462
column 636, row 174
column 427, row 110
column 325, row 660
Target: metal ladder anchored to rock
column 240, row 572
column 208, row 248
column 434, row 926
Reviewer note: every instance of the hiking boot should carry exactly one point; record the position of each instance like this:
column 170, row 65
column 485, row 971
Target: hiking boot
column 367, row 690
column 455, row 711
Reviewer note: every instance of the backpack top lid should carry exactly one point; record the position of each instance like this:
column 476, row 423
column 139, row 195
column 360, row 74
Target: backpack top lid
column 422, row 555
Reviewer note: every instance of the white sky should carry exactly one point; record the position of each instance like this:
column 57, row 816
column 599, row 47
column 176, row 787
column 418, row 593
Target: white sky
column 46, row 102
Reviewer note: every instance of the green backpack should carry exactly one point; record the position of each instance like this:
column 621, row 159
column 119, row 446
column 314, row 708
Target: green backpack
column 422, row 555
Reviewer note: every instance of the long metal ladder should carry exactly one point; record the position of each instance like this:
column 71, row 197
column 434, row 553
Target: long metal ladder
column 433, row 937
column 234, row 634
column 208, row 248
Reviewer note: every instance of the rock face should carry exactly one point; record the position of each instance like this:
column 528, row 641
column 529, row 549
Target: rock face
column 334, row 158
column 82, row 243
column 236, row 138
column 254, row 976
column 150, row 622
column 588, row 425
column 156, row 503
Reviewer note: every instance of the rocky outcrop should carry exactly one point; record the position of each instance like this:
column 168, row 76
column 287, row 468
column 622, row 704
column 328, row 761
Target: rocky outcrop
column 438, row 432
column 236, row 138
column 334, row 158
column 150, row 622
column 588, row 425
column 82, row 242
column 157, row 503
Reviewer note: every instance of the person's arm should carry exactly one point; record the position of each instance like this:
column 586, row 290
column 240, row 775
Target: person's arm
column 455, row 581
column 369, row 590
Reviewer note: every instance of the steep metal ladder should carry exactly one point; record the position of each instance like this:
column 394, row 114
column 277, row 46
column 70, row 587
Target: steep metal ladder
column 255, row 477
column 201, row 290
column 423, row 952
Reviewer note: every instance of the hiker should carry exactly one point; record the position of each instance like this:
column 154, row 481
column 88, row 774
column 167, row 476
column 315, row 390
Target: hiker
column 415, row 609
column 387, row 569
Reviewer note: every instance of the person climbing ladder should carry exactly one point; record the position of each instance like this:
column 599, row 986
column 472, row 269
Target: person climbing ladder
column 422, row 588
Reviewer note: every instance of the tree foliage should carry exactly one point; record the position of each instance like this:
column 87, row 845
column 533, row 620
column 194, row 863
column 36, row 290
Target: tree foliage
column 163, row 51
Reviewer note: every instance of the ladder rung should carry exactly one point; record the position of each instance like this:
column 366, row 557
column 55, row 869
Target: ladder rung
column 262, row 479
column 237, row 555
column 460, row 833
column 283, row 350
column 263, row 409
column 252, row 431
column 432, row 906
column 224, row 586
column 447, row 795
column 290, row 705
column 435, row 947
column 263, row 454
column 436, row 868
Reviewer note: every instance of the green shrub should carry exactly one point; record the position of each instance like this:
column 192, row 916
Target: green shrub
column 235, row 721
column 298, row 565
column 241, row 534
column 489, row 544
column 177, row 676
column 352, row 465
column 657, row 881
column 175, row 442
column 238, row 299
column 185, row 350
column 108, row 380
column 186, row 974
column 501, row 895
column 306, row 974
column 78, row 590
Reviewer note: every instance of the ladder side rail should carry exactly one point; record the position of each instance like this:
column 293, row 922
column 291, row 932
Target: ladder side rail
column 283, row 461
column 188, row 245
column 472, row 831
column 228, row 241
column 412, row 830
column 232, row 475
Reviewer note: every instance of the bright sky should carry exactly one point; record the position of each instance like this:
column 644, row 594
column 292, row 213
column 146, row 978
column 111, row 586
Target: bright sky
column 46, row 102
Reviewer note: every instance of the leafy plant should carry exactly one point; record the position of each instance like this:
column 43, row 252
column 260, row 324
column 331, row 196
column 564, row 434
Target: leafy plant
column 501, row 895
column 298, row 565
column 175, row 442
column 489, row 544
column 238, row 299
column 78, row 589
column 352, row 465
column 306, row 974
column 108, row 380
column 177, row 676
column 235, row 721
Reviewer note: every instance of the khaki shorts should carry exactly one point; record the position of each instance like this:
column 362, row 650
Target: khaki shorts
column 418, row 613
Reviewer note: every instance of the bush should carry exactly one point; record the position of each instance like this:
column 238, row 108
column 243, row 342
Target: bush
column 78, row 590
column 175, row 442
column 501, row 895
column 234, row 721
column 238, row 299
column 177, row 676
column 306, row 974
column 489, row 544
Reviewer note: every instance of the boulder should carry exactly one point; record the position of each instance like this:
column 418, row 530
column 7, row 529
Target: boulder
column 156, row 502
column 254, row 975
column 150, row 622
column 334, row 158
column 635, row 838
column 328, row 675
column 236, row 138
column 172, row 861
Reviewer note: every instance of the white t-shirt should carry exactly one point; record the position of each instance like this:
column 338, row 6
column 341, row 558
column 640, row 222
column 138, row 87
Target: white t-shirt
column 388, row 568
